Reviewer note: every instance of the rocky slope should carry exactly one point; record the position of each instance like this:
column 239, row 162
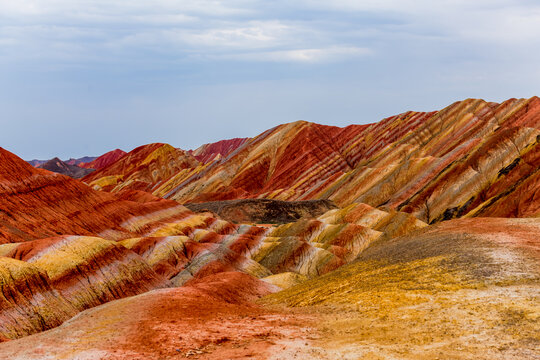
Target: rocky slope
column 463, row 289
column 218, row 150
column 132, row 242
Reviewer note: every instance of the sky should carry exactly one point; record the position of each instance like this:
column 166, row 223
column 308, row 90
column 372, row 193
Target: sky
column 82, row 77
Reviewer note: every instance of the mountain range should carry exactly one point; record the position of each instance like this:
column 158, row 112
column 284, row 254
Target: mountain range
column 411, row 237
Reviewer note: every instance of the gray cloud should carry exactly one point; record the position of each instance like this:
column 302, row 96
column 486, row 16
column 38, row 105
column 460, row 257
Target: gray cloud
column 241, row 66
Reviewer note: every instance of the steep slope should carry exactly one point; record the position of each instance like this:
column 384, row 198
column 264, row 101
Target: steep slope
column 462, row 289
column 215, row 151
column 103, row 160
column 36, row 203
column 270, row 161
column 141, row 168
column 146, row 242
column 87, row 271
column 28, row 302
column 472, row 158
column 58, row 166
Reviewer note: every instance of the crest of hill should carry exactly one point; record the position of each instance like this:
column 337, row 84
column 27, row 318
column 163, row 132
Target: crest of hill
column 220, row 149
column 473, row 158
column 58, row 166
column 103, row 160
column 142, row 168
column 79, row 161
column 36, row 203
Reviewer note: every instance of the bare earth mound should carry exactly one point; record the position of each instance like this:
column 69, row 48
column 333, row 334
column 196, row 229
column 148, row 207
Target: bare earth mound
column 264, row 211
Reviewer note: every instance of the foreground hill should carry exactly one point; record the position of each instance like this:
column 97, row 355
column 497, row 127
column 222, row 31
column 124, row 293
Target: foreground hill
column 65, row 247
column 463, row 289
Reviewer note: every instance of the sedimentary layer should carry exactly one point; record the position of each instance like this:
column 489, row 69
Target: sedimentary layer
column 473, row 158
column 103, row 160
column 462, row 289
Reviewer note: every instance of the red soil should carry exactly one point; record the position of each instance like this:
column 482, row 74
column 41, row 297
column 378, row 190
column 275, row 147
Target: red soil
column 35, row 203
column 212, row 318
column 208, row 152
column 104, row 160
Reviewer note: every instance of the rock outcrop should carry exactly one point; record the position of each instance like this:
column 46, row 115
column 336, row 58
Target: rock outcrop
column 28, row 302
column 264, row 211
column 87, row 271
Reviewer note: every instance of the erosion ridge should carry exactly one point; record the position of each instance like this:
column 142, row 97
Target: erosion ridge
column 414, row 237
column 131, row 242
column 488, row 152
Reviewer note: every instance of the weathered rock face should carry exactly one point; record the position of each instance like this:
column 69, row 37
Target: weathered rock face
column 28, row 302
column 472, row 158
column 264, row 211
column 88, row 271
column 35, row 204
column 103, row 160
column 142, row 168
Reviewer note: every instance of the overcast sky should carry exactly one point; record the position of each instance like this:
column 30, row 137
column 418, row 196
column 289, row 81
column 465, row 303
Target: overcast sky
column 81, row 77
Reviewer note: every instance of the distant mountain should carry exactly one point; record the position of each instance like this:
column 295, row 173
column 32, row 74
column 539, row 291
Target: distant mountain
column 473, row 158
column 71, row 161
column 58, row 166
column 84, row 159
column 104, row 160
column 36, row 162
